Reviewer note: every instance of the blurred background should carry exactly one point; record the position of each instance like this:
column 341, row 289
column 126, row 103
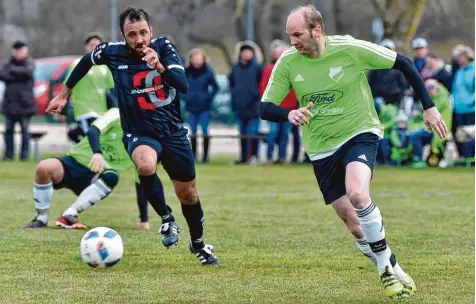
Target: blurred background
column 54, row 33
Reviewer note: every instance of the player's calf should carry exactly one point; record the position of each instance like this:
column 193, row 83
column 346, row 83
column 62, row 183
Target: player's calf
column 94, row 193
column 48, row 172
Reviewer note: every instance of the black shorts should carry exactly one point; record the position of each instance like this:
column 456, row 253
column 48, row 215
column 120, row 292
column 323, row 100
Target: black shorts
column 173, row 151
column 330, row 171
column 76, row 176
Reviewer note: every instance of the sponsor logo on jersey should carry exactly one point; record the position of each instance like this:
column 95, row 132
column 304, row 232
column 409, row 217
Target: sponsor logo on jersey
column 123, row 67
column 147, row 90
column 327, row 96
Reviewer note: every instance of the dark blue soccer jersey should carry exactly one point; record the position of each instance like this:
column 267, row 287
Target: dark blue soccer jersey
column 148, row 100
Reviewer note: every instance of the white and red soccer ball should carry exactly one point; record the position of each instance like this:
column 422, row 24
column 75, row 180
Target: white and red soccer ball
column 101, row 247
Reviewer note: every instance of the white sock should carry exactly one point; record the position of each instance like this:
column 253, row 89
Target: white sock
column 90, row 196
column 42, row 194
column 365, row 248
column 374, row 232
column 399, row 272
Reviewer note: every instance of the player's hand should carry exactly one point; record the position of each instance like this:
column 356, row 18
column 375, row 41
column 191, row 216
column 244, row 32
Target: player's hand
column 58, row 102
column 151, row 57
column 434, row 121
column 97, row 163
column 299, row 117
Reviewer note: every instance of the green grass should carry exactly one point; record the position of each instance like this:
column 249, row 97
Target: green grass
column 276, row 241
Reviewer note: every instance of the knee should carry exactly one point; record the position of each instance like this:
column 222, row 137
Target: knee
column 43, row 169
column 146, row 164
column 110, row 178
column 187, row 195
column 145, row 168
column 358, row 197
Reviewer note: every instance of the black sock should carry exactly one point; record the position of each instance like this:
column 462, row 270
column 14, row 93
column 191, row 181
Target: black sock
column 206, row 146
column 195, row 220
column 142, row 203
column 193, row 142
column 154, row 191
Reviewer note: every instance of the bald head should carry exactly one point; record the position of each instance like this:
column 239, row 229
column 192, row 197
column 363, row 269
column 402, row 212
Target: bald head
column 307, row 15
column 306, row 30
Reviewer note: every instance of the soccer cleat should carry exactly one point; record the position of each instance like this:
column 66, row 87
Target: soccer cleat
column 35, row 224
column 169, row 232
column 69, row 222
column 409, row 288
column 205, row 255
column 393, row 287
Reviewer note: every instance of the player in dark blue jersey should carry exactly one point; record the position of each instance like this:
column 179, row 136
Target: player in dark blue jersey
column 148, row 75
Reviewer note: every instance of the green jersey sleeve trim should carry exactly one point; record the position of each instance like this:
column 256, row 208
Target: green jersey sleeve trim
column 105, row 121
column 279, row 83
column 370, row 55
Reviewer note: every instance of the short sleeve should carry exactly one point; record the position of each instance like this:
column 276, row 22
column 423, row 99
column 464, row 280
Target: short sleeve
column 371, row 56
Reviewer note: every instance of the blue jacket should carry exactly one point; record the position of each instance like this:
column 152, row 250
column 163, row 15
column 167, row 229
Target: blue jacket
column 419, row 64
column 463, row 90
column 244, row 86
column 202, row 87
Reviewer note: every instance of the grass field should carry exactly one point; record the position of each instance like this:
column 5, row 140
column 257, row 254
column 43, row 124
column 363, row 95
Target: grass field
column 276, row 241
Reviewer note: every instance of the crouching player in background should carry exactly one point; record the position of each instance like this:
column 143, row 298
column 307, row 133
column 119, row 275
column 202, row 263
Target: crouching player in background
column 90, row 169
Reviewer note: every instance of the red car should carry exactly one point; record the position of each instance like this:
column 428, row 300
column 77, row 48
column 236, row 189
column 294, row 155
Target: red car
column 49, row 75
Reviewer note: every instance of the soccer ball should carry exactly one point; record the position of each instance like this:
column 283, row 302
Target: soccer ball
column 101, row 247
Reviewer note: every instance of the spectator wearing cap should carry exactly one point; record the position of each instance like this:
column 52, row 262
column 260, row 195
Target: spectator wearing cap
column 18, row 102
column 244, row 81
column 400, row 139
column 435, row 69
column 463, row 96
column 420, row 47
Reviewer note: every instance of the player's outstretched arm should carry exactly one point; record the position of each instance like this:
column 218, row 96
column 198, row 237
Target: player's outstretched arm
column 432, row 117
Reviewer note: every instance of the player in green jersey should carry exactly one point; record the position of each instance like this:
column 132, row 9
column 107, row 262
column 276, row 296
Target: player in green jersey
column 90, row 169
column 341, row 128
column 91, row 97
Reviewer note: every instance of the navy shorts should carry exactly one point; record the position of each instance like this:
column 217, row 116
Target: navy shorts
column 330, row 171
column 173, row 151
column 76, row 176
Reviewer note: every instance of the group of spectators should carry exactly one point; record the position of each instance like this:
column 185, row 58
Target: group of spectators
column 451, row 87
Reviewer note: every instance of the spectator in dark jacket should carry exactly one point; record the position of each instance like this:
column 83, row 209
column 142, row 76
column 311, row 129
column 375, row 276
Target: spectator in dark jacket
column 420, row 47
column 245, row 98
column 198, row 101
column 388, row 84
column 435, row 69
column 18, row 102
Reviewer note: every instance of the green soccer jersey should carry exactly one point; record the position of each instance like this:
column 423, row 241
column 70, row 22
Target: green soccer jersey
column 112, row 148
column 89, row 94
column 337, row 86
